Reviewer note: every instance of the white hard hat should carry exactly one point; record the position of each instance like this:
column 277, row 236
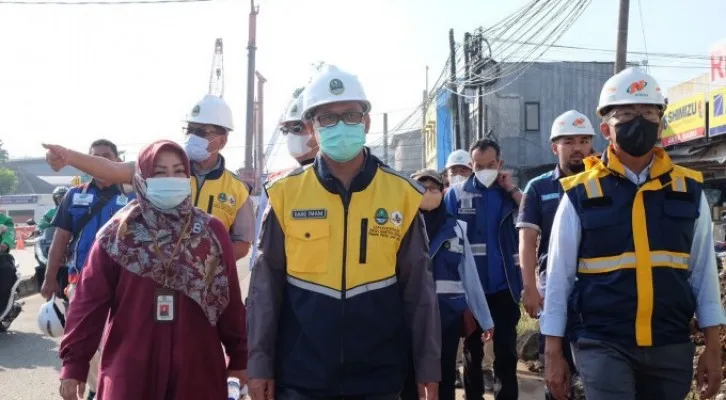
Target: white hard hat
column 333, row 85
column 571, row 123
column 52, row 318
column 293, row 112
column 630, row 86
column 458, row 157
column 211, row 110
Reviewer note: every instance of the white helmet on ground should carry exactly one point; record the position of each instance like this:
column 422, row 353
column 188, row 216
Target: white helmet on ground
column 293, row 112
column 630, row 86
column 211, row 110
column 571, row 123
column 333, row 85
column 458, row 157
column 52, row 317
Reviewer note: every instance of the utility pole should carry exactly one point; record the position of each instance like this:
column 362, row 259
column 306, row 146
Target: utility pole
column 260, row 129
column 467, row 77
column 621, row 51
column 454, row 89
column 424, row 127
column 385, row 138
column 251, row 47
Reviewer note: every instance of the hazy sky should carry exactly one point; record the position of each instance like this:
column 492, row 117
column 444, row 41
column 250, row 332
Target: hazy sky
column 130, row 73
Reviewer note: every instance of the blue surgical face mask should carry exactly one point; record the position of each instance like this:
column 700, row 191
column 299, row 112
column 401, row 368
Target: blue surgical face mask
column 196, row 148
column 166, row 193
column 342, row 142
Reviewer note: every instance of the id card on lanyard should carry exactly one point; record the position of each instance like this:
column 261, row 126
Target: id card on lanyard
column 166, row 298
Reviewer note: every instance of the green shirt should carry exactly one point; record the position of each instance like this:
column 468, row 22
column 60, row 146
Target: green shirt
column 8, row 237
column 47, row 218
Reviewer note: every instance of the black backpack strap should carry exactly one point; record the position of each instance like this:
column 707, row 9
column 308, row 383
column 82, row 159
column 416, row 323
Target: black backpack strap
column 92, row 212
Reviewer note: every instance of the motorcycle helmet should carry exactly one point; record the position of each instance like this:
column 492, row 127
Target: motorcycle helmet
column 52, row 317
column 58, row 194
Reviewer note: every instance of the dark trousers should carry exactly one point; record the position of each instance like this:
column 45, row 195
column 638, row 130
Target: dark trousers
column 283, row 393
column 505, row 313
column 567, row 352
column 610, row 371
column 450, row 335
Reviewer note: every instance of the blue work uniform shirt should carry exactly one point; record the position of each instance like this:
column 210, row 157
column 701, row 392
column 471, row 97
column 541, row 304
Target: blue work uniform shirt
column 539, row 204
column 481, row 208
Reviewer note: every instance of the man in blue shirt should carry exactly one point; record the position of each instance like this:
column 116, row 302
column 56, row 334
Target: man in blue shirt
column 488, row 201
column 571, row 138
column 83, row 211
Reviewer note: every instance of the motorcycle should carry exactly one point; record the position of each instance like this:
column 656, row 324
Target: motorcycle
column 41, row 250
column 10, row 306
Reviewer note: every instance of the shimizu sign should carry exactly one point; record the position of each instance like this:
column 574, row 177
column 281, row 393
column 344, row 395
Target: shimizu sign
column 685, row 120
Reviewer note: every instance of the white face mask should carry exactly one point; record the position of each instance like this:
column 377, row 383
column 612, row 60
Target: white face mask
column 297, row 145
column 196, row 148
column 456, row 179
column 487, row 176
column 166, row 193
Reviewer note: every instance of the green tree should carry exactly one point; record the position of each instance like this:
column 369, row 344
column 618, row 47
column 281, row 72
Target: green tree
column 8, row 181
column 3, row 154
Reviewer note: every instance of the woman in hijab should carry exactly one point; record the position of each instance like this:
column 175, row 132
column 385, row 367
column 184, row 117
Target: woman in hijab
column 456, row 278
column 163, row 274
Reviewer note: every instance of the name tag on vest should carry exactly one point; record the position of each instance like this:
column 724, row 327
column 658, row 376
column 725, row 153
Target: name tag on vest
column 320, row 213
column 82, row 199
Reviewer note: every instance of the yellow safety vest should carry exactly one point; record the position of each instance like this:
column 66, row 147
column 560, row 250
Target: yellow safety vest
column 222, row 194
column 327, row 244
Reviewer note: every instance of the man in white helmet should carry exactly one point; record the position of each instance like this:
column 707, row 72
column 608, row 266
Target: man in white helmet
column 214, row 188
column 571, row 138
column 302, row 147
column 342, row 287
column 458, row 167
column 631, row 259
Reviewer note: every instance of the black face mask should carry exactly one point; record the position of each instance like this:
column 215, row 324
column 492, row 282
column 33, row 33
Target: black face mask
column 637, row 137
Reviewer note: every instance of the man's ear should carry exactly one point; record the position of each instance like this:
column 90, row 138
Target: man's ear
column 223, row 141
column 605, row 130
column 367, row 122
column 554, row 148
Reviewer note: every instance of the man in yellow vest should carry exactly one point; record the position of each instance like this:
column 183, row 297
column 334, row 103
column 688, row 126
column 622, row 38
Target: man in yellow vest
column 215, row 189
column 342, row 292
column 630, row 261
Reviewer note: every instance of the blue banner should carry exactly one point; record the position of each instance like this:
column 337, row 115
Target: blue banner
column 444, row 144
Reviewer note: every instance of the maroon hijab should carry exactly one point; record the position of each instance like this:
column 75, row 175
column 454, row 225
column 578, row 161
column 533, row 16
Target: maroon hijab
column 131, row 236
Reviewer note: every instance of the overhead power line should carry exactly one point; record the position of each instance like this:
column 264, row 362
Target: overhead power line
column 95, row 2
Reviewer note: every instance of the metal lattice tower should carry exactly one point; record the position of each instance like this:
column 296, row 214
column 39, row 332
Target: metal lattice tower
column 216, row 77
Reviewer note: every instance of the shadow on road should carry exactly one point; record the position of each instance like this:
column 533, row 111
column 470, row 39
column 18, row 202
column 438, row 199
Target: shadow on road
column 23, row 350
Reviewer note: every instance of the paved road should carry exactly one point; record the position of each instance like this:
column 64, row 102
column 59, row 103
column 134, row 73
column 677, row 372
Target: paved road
column 29, row 363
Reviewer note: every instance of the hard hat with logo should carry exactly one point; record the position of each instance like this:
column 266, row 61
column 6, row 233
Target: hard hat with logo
column 458, row 157
column 211, row 110
column 52, row 317
column 630, row 86
column 293, row 112
column 571, row 123
column 333, row 85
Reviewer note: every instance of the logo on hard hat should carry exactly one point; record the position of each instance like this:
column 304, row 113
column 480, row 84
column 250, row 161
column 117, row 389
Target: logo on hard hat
column 195, row 110
column 336, row 87
column 579, row 123
column 637, row 87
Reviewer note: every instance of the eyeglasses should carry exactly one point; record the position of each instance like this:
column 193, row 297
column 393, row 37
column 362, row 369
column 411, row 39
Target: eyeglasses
column 296, row 128
column 200, row 131
column 650, row 114
column 330, row 119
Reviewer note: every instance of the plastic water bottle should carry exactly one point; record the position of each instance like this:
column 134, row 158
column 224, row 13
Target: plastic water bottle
column 233, row 389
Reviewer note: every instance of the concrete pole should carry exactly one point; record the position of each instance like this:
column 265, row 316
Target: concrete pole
column 251, row 47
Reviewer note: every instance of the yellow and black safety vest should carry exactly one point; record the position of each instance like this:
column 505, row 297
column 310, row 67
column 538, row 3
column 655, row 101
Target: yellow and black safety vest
column 341, row 325
column 633, row 279
column 222, row 194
